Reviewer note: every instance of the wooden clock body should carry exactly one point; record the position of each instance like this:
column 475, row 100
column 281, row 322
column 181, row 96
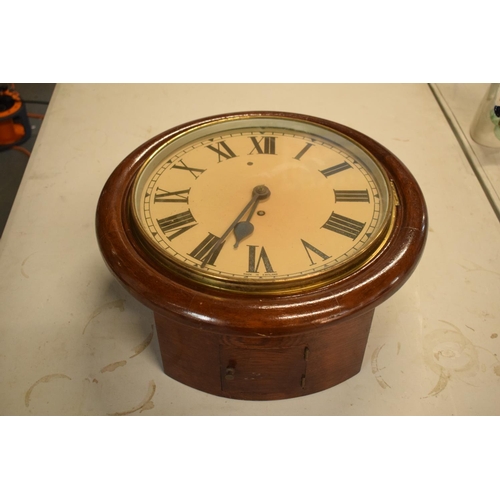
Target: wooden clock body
column 261, row 347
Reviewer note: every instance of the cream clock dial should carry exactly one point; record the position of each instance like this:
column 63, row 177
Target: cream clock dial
column 262, row 203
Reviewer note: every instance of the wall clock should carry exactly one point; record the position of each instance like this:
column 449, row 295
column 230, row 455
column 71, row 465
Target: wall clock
column 262, row 241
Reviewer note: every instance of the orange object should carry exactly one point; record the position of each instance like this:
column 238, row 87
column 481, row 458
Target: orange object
column 14, row 123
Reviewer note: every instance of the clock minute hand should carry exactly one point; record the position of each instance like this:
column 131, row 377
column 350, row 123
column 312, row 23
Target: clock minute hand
column 228, row 231
column 258, row 193
column 245, row 228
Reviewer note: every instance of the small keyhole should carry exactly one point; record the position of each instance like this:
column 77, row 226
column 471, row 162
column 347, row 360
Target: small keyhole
column 230, row 373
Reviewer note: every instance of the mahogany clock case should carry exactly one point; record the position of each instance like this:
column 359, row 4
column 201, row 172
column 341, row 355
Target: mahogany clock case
column 257, row 346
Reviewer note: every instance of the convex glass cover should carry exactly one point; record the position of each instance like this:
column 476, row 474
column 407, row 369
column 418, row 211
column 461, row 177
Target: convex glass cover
column 264, row 204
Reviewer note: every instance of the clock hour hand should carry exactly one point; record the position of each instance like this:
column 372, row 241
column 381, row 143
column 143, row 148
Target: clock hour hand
column 258, row 193
column 245, row 228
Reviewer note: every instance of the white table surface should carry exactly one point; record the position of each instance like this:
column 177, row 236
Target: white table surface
column 73, row 342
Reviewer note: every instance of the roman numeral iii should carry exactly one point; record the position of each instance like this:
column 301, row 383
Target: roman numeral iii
column 351, row 195
column 344, row 226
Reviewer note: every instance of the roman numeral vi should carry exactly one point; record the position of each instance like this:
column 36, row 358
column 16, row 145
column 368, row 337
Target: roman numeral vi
column 254, row 263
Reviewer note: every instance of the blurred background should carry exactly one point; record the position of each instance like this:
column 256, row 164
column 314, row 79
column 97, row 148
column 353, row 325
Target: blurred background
column 13, row 159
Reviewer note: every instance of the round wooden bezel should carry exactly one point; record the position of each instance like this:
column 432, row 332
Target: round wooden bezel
column 247, row 315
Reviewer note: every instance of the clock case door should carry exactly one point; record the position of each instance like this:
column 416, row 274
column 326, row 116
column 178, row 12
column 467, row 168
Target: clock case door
column 263, row 368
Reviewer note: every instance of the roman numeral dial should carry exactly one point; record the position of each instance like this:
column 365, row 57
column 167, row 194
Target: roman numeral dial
column 202, row 208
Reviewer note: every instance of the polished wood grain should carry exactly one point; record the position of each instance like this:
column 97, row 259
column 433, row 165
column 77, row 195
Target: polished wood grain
column 264, row 368
column 202, row 330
